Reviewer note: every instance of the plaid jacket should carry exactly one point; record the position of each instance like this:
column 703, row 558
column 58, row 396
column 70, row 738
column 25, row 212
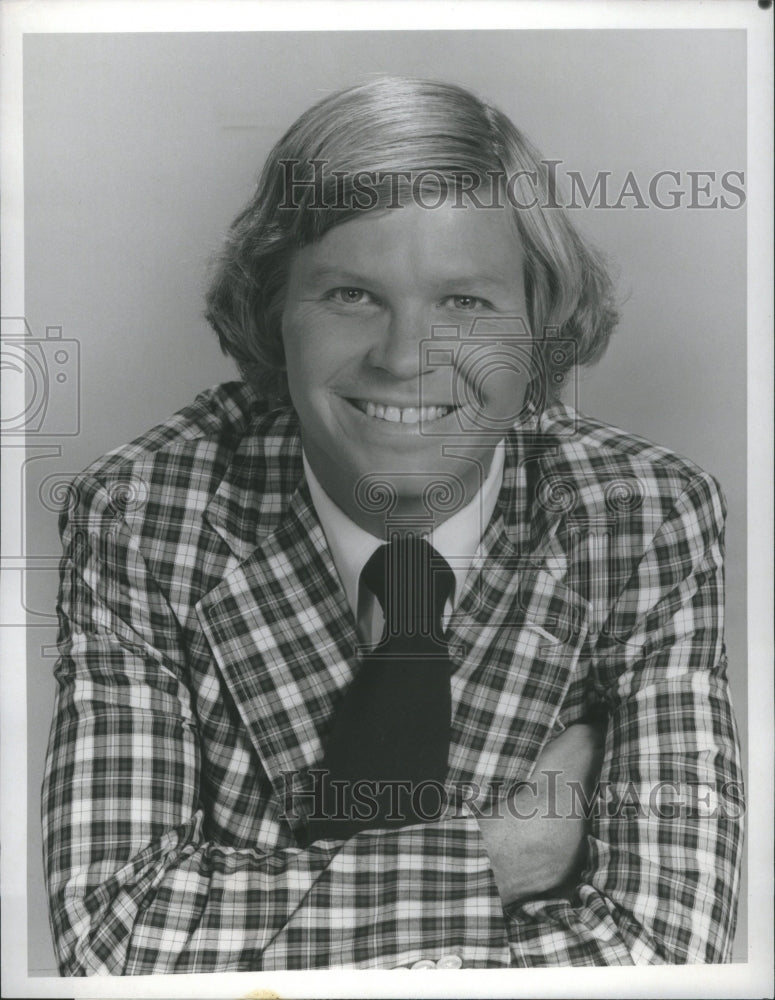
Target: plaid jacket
column 206, row 642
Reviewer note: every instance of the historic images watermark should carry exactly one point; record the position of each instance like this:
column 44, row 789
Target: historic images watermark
column 46, row 398
column 318, row 185
column 546, row 798
column 41, row 411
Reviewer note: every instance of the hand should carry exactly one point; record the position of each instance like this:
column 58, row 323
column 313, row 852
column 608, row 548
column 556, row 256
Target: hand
column 537, row 839
column 576, row 752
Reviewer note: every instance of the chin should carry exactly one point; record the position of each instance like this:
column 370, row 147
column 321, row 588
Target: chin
column 396, row 461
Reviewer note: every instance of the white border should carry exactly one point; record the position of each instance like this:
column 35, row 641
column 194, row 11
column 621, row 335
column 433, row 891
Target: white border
column 750, row 979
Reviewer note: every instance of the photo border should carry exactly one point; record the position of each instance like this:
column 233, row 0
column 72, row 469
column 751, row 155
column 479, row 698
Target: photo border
column 739, row 980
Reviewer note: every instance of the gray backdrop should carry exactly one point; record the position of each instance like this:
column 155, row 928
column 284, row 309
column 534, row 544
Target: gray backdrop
column 140, row 148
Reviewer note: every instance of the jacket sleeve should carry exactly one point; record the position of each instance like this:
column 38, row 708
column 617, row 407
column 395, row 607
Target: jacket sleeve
column 662, row 874
column 135, row 883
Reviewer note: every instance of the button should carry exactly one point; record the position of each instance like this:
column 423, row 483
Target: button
column 450, row 962
column 424, row 963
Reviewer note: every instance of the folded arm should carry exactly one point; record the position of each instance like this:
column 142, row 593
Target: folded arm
column 661, row 876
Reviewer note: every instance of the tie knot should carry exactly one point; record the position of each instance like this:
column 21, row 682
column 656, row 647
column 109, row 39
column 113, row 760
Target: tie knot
column 412, row 583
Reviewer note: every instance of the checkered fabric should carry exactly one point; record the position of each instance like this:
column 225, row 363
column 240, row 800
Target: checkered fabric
column 206, row 643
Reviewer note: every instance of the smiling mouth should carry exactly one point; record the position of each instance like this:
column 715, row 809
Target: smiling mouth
column 401, row 415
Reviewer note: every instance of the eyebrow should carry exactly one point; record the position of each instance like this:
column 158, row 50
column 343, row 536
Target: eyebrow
column 326, row 271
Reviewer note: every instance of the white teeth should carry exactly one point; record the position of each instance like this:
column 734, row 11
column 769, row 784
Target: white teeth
column 407, row 415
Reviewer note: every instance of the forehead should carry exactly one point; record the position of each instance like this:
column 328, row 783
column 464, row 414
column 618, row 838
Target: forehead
column 448, row 240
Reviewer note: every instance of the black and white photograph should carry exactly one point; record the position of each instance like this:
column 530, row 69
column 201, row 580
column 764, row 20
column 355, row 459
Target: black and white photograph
column 387, row 550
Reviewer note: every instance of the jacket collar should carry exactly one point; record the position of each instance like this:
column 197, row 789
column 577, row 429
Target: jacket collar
column 259, row 484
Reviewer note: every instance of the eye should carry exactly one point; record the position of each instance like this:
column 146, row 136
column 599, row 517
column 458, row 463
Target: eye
column 468, row 302
column 350, row 296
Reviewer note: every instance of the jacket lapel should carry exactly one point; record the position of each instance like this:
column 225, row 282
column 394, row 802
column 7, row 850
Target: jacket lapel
column 519, row 629
column 278, row 623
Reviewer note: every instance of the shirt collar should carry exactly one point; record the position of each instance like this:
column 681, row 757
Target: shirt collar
column 457, row 539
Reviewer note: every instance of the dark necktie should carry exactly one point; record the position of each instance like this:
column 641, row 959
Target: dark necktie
column 394, row 722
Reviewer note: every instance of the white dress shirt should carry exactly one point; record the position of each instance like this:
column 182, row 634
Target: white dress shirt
column 457, row 539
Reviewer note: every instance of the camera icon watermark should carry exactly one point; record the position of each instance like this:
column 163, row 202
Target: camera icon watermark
column 500, row 375
column 41, row 381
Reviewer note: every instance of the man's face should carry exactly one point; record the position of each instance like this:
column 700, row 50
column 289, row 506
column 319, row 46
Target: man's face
column 372, row 394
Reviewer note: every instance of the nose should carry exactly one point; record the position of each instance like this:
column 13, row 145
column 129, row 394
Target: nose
column 399, row 347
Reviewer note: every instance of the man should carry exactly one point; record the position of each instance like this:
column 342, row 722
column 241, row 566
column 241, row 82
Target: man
column 256, row 694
